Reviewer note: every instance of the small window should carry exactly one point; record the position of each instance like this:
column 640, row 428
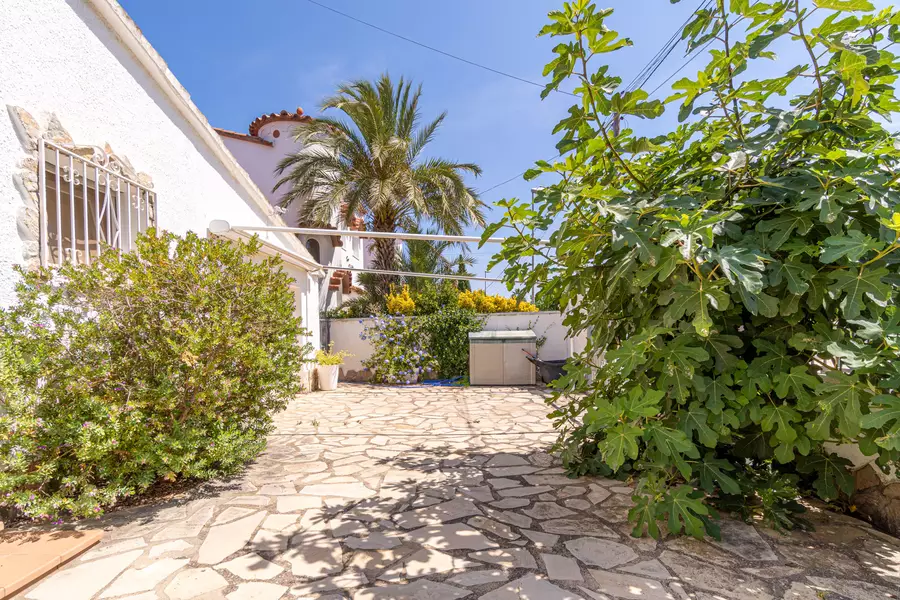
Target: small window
column 313, row 247
column 86, row 206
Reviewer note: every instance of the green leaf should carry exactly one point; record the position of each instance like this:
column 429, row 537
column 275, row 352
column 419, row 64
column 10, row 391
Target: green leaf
column 796, row 382
column 796, row 273
column 694, row 298
column 852, row 246
column 672, row 443
column 693, row 420
column 685, row 508
column 781, row 417
column 832, row 474
column 640, row 403
column 850, row 5
column 741, row 266
column 855, row 284
column 713, row 474
column 620, row 443
column 783, row 226
column 840, row 397
column 885, row 410
column 644, row 515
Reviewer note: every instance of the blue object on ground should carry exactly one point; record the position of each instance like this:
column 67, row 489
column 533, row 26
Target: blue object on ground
column 443, row 382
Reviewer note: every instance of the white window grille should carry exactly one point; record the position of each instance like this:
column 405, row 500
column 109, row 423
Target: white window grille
column 87, row 204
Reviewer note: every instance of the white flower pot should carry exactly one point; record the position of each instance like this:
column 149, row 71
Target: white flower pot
column 328, row 376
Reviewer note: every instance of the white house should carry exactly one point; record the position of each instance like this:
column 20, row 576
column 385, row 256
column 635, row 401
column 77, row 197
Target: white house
column 268, row 140
column 99, row 141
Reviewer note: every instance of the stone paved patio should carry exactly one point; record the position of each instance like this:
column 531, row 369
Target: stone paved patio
column 438, row 493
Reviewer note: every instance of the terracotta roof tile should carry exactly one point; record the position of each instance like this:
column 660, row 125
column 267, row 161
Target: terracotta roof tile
column 284, row 115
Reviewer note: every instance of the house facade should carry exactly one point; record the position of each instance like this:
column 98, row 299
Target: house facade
column 268, row 140
column 99, row 141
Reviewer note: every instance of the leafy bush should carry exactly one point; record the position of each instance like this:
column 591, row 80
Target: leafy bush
column 738, row 274
column 432, row 296
column 400, row 303
column 480, row 302
column 399, row 352
column 162, row 363
column 447, row 334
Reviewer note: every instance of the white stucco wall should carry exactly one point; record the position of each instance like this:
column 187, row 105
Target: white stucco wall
column 557, row 344
column 60, row 56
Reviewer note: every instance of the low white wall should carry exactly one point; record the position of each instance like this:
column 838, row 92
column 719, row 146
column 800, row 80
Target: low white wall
column 547, row 325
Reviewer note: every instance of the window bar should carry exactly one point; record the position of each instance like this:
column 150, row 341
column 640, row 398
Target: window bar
column 84, row 205
column 43, row 192
column 73, row 258
column 59, row 251
column 107, row 209
column 97, row 206
column 139, row 210
column 128, row 214
column 119, row 216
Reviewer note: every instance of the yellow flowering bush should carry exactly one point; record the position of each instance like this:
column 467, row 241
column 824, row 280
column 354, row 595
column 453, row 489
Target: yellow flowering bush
column 480, row 302
column 401, row 303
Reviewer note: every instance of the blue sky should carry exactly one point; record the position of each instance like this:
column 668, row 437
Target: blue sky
column 240, row 59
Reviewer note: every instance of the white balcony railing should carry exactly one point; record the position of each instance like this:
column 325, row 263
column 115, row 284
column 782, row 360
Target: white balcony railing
column 86, row 204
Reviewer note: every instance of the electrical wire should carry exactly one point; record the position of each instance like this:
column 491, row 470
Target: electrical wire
column 438, row 50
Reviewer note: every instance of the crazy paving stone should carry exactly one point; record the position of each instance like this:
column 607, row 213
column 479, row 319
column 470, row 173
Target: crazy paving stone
column 627, row 586
column 743, row 540
column 190, row 527
column 252, row 566
column 193, row 583
column 519, row 492
column 84, row 580
column 855, row 590
column 541, row 540
column 224, row 540
column 494, row 527
column 510, row 558
column 343, row 490
column 257, row 590
column 600, row 553
column 505, row 460
column 715, row 579
column 511, row 503
column 133, row 581
column 548, row 510
column 578, row 526
column 455, row 536
column 418, row 590
column 424, row 562
column 648, row 568
column 509, row 517
column 373, row 541
column 439, row 513
column 561, row 567
column 314, row 558
column 530, row 587
column 470, row 578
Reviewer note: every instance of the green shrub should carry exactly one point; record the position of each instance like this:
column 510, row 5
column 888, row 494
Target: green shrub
column 399, row 351
column 162, row 363
column 738, row 274
column 447, row 334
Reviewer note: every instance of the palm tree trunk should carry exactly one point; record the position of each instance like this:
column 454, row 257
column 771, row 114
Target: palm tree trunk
column 385, row 251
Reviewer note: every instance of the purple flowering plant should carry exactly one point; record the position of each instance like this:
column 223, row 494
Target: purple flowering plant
column 399, row 352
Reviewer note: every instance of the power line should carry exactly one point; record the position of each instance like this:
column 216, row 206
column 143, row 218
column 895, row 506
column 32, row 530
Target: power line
column 433, row 49
column 645, row 74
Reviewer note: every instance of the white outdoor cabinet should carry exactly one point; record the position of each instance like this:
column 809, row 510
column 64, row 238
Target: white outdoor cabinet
column 496, row 357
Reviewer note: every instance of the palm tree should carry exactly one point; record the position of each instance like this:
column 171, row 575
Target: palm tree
column 370, row 163
column 421, row 256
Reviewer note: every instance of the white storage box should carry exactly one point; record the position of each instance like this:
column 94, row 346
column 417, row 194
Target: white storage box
column 496, row 357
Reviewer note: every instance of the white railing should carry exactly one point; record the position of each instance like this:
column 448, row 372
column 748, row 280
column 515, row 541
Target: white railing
column 87, row 204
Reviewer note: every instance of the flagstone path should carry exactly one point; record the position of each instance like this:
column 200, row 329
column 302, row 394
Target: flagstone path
column 376, row 493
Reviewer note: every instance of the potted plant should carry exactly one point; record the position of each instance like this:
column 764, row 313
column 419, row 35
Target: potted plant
column 328, row 366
